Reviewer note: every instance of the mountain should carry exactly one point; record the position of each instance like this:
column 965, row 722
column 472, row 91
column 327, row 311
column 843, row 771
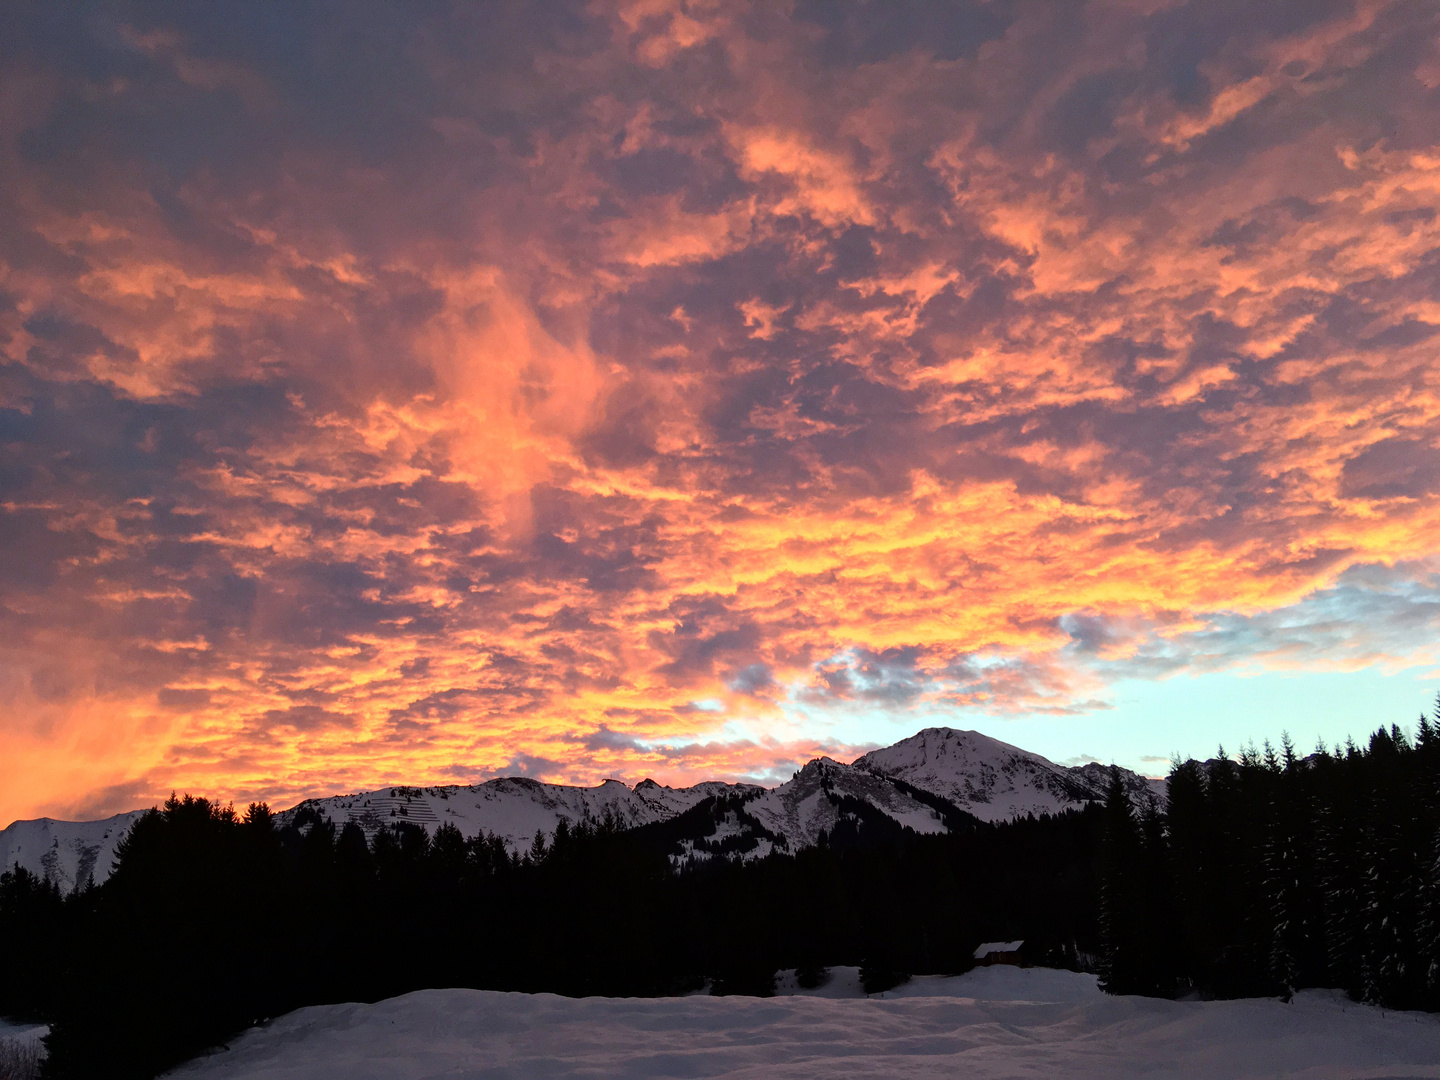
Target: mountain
column 66, row 852
column 936, row 780
column 826, row 794
column 825, row 798
column 514, row 808
column 995, row 781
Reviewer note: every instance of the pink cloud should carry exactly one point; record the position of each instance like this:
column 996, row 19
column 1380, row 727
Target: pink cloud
column 369, row 414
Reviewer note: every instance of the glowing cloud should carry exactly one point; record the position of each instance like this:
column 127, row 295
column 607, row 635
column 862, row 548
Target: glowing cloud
column 631, row 389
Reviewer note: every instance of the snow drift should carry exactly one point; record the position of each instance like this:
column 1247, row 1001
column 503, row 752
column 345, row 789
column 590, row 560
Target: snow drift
column 992, row 1022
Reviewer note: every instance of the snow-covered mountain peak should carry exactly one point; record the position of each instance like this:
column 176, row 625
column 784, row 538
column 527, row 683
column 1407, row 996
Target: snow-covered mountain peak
column 68, row 853
column 820, row 766
column 937, row 745
column 826, row 794
column 919, row 783
column 992, row 779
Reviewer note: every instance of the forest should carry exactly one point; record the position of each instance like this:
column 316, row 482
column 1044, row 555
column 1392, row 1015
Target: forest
column 1277, row 872
column 1265, row 875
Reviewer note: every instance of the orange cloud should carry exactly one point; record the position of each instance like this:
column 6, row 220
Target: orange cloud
column 656, row 392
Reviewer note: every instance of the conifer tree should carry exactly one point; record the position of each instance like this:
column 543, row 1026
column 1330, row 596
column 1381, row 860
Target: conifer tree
column 1191, row 828
column 1391, row 874
column 1296, row 961
column 1339, row 854
column 1123, row 941
column 1427, row 762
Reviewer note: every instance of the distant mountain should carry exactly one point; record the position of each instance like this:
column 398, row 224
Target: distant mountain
column 825, row 793
column 514, row 808
column 68, row 853
column 934, row 781
column 995, row 781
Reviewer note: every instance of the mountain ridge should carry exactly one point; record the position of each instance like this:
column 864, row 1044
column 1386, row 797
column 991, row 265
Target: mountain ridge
column 933, row 781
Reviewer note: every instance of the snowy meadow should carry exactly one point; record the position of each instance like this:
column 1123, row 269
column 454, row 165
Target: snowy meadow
column 990, row 1022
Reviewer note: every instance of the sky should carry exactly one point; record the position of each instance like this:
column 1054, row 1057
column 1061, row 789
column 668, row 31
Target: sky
column 422, row 394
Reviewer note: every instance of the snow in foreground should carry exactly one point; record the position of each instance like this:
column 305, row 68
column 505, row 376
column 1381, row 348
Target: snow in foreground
column 992, row 1022
column 15, row 1029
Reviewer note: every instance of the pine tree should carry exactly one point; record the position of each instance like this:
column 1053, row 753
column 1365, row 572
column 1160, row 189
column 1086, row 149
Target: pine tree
column 1427, row 763
column 1339, row 860
column 1296, row 958
column 1160, row 958
column 1123, row 962
column 1390, row 968
column 1190, row 826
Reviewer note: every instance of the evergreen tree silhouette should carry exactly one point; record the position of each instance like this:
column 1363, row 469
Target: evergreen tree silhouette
column 1124, row 965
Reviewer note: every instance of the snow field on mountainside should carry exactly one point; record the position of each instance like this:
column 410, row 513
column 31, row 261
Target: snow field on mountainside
column 989, row 779
column 992, row 1022
column 68, row 853
column 975, row 774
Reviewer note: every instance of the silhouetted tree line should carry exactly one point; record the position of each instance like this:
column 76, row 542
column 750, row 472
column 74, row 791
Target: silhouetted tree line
column 1275, row 873
column 213, row 921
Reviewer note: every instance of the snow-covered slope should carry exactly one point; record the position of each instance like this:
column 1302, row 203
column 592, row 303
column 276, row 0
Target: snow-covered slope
column 789, row 817
column 515, row 808
column 822, row 794
column 65, row 852
column 990, row 1023
column 993, row 780
column 918, row 783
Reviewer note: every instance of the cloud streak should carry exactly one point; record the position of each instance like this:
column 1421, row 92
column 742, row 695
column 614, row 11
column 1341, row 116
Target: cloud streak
column 381, row 397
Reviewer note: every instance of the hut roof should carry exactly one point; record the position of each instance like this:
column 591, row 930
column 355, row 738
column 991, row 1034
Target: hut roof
column 997, row 946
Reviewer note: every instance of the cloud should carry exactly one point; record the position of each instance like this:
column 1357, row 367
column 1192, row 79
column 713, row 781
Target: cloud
column 388, row 395
column 105, row 802
column 303, row 718
column 1392, row 467
column 753, row 679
